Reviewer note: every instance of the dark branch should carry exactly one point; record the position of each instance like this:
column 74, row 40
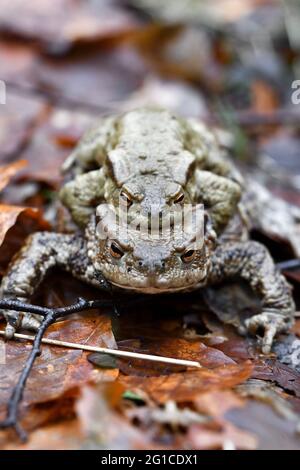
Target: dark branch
column 50, row 316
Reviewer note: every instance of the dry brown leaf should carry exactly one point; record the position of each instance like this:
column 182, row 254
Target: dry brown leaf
column 19, row 115
column 58, row 370
column 59, row 124
column 66, row 435
column 187, row 386
column 9, row 215
column 57, row 25
column 264, row 97
column 296, row 328
column 8, row 171
column 191, row 350
column 281, row 374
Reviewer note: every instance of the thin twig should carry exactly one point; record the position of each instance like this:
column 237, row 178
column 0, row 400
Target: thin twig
column 111, row 352
column 289, row 265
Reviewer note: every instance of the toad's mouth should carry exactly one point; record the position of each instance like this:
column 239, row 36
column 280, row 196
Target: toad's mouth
column 159, row 285
column 153, row 289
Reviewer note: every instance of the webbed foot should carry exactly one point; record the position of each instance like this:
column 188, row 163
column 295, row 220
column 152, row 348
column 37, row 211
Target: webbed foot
column 271, row 323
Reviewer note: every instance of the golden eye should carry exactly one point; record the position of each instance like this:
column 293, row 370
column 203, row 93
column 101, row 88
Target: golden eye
column 179, row 198
column 116, row 251
column 125, row 198
column 188, row 256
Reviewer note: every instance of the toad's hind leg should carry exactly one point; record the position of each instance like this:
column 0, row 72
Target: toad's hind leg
column 252, row 262
column 83, row 194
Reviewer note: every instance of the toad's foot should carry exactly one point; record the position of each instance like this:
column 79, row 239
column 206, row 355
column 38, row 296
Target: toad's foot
column 17, row 320
column 252, row 262
column 271, row 324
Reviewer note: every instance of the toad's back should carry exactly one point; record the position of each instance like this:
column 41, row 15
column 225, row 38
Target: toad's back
column 151, row 141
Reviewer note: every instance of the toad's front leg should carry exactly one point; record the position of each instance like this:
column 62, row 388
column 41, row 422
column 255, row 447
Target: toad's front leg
column 83, row 194
column 42, row 251
column 219, row 195
column 252, row 262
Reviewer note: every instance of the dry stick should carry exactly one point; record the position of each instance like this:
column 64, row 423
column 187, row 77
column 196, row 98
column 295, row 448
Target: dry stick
column 111, row 352
column 288, row 265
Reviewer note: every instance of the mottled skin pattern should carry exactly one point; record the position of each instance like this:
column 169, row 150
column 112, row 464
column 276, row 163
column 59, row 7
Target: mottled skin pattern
column 172, row 158
column 151, row 268
column 153, row 160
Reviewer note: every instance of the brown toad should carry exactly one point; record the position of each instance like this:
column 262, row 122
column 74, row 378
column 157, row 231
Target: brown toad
column 175, row 166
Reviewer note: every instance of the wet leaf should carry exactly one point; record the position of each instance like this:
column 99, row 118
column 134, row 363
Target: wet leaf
column 104, row 361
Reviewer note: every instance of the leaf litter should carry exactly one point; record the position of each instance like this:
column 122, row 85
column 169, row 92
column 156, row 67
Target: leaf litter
column 80, row 68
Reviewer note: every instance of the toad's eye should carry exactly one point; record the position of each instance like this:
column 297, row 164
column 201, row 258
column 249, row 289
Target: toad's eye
column 116, row 251
column 179, row 198
column 188, row 256
column 125, row 198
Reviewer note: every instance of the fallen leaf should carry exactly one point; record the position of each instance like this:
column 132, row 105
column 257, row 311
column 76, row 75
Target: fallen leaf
column 65, row 435
column 18, row 118
column 58, row 370
column 55, row 26
column 296, row 328
column 9, row 215
column 216, row 403
column 186, row 386
column 8, row 171
column 104, row 361
column 104, row 427
column 264, row 97
column 281, row 374
column 59, row 124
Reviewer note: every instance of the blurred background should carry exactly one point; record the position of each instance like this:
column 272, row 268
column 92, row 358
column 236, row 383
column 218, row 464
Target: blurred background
column 231, row 63
column 234, row 64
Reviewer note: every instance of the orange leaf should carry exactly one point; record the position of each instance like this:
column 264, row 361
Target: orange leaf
column 8, row 171
column 187, row 386
column 9, row 215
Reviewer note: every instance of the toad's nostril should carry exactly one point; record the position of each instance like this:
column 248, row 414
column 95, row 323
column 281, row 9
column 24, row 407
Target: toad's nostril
column 163, row 264
column 140, row 263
